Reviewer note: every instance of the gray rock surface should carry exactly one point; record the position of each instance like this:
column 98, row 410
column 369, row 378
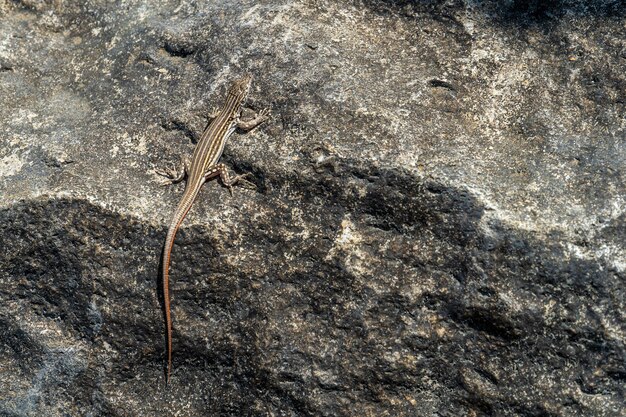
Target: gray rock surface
column 438, row 226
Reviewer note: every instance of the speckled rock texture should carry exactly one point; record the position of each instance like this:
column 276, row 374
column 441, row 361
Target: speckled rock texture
column 437, row 228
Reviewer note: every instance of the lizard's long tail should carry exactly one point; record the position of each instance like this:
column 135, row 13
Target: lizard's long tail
column 179, row 215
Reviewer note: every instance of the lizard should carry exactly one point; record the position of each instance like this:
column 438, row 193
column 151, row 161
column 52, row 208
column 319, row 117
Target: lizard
column 202, row 167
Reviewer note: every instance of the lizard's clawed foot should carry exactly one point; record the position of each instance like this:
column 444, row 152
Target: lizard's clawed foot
column 213, row 113
column 172, row 175
column 240, row 180
column 260, row 117
column 264, row 114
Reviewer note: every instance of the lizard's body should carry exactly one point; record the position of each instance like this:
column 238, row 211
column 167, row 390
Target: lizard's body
column 202, row 167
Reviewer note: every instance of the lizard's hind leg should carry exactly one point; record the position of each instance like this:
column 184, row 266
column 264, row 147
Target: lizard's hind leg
column 174, row 175
column 227, row 180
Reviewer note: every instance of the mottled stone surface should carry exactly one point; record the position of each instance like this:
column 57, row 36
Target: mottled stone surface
column 438, row 227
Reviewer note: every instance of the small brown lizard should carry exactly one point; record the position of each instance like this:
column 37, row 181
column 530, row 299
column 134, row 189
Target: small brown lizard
column 202, row 167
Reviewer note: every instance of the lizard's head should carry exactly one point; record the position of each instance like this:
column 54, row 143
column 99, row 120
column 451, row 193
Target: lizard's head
column 241, row 87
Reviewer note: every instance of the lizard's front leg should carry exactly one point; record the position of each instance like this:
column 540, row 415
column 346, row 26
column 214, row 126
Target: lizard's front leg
column 174, row 175
column 247, row 125
column 213, row 113
column 227, row 180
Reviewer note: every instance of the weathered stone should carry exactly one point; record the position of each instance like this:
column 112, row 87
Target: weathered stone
column 438, row 228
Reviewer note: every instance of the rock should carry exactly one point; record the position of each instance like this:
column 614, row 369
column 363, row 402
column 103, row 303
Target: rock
column 438, row 226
